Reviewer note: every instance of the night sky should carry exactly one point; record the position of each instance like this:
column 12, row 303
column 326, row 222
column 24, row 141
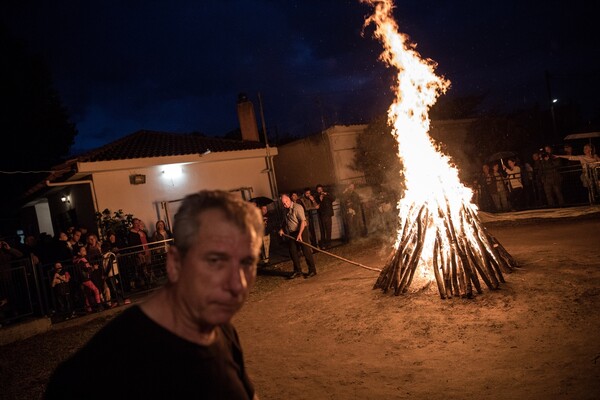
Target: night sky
column 178, row 66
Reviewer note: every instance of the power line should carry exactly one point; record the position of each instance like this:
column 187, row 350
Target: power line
column 32, row 172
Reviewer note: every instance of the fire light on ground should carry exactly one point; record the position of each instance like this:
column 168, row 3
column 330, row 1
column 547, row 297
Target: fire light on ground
column 440, row 237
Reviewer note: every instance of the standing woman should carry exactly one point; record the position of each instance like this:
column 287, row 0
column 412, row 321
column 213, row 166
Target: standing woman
column 160, row 248
column 513, row 177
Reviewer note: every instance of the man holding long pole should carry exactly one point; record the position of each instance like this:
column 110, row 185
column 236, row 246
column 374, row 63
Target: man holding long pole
column 294, row 225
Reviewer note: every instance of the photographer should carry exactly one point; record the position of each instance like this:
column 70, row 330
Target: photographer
column 551, row 180
column 325, row 210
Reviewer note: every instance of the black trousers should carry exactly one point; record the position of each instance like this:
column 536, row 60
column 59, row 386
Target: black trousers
column 325, row 229
column 294, row 248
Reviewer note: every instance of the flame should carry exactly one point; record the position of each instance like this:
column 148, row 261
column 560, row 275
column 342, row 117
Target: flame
column 430, row 177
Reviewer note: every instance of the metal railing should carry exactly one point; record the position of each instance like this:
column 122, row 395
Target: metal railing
column 30, row 290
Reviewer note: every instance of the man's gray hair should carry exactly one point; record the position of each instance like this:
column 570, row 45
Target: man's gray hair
column 243, row 214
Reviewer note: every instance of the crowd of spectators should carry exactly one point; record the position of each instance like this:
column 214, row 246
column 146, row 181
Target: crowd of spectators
column 545, row 179
column 78, row 272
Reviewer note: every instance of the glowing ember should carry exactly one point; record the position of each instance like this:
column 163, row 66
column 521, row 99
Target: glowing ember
column 440, row 233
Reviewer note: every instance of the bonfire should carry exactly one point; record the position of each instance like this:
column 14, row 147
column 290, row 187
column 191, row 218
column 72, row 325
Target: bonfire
column 440, row 237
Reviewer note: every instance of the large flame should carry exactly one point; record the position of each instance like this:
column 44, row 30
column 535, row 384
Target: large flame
column 430, row 177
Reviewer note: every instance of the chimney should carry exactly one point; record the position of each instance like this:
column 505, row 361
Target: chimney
column 245, row 111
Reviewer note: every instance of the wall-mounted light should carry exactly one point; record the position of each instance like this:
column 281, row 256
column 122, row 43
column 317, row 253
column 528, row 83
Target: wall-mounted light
column 137, row 179
column 172, row 171
column 65, row 199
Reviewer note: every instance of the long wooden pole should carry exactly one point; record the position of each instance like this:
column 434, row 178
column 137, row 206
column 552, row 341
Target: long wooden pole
column 332, row 255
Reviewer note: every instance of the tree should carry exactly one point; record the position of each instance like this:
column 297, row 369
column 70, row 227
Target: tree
column 37, row 133
column 377, row 157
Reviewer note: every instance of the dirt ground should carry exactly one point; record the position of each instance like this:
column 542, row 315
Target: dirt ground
column 334, row 337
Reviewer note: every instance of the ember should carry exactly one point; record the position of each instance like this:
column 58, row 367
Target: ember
column 440, row 230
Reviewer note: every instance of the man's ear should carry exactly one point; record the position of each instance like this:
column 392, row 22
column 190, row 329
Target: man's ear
column 174, row 262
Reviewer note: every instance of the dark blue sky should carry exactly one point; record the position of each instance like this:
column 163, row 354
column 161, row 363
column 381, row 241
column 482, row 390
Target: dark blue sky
column 178, row 66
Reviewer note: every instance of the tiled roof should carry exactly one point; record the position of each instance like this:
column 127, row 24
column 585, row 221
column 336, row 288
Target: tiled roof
column 142, row 144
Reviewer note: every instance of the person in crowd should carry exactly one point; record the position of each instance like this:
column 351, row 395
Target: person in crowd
column 74, row 242
column 310, row 205
column 551, row 180
column 295, row 198
column 110, row 264
column 162, row 238
column 294, row 225
column 161, row 233
column 486, row 186
column 269, row 227
column 352, row 212
column 528, row 184
column 513, row 179
column 538, row 185
column 93, row 248
column 98, row 277
column 31, row 249
column 113, row 243
column 91, row 293
column 137, row 238
column 571, row 172
column 184, row 345
column 69, row 231
column 500, row 198
column 62, row 290
column 588, row 160
column 325, row 211
column 84, row 233
column 62, row 250
column 9, row 298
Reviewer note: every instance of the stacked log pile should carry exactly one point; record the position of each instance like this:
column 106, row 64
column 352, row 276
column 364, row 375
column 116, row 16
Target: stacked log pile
column 463, row 255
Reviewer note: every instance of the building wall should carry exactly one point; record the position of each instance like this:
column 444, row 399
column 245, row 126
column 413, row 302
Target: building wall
column 343, row 141
column 304, row 162
column 325, row 158
column 169, row 183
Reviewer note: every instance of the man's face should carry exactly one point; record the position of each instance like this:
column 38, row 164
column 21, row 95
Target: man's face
column 294, row 197
column 319, row 189
column 214, row 279
column 286, row 201
column 307, row 194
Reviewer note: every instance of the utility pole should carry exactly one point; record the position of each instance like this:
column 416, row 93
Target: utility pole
column 270, row 164
column 551, row 101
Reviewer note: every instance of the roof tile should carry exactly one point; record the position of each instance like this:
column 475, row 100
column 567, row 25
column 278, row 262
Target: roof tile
column 144, row 143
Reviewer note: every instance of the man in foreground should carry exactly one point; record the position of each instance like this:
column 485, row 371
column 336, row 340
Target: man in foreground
column 180, row 342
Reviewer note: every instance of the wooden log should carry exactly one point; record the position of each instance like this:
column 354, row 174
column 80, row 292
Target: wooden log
column 413, row 262
column 436, row 271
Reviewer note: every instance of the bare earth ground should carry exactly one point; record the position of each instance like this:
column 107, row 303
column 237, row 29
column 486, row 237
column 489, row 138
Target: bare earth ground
column 334, row 337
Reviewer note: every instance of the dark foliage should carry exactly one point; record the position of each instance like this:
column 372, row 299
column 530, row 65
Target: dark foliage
column 37, row 131
column 377, row 156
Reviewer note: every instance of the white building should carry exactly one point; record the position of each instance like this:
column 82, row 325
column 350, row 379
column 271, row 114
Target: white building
column 146, row 174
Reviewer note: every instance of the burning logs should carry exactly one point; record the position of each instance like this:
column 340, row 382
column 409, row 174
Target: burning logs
column 462, row 253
